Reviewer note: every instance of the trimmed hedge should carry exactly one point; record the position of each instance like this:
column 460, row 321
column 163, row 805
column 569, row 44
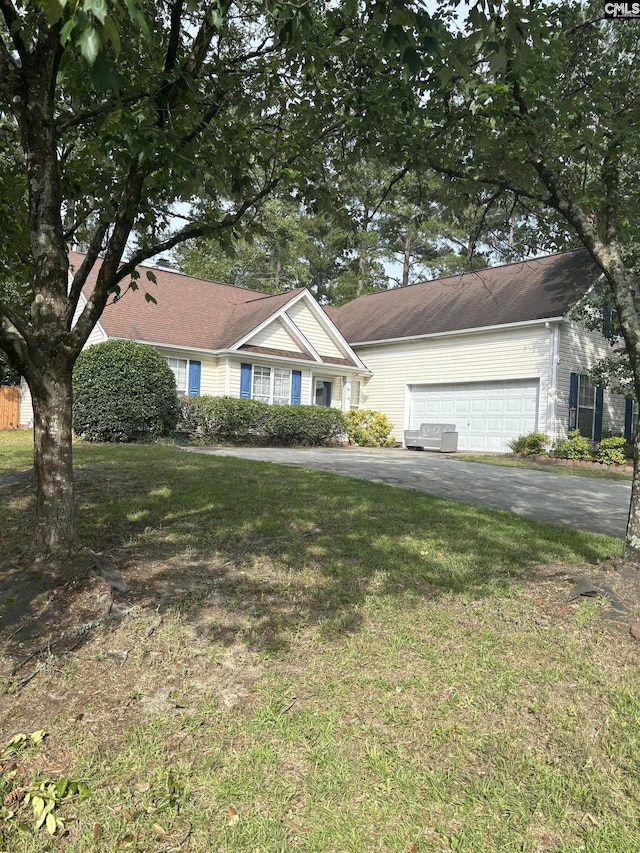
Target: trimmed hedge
column 227, row 419
column 123, row 391
column 367, row 428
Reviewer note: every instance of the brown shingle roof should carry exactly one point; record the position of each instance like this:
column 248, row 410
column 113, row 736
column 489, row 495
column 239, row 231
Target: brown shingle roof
column 531, row 290
column 189, row 312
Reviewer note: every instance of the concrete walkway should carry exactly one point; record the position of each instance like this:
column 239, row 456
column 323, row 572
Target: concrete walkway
column 592, row 505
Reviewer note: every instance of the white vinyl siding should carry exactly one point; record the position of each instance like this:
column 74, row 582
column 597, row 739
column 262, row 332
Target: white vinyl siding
column 355, row 394
column 212, row 375
column 275, row 336
column 511, row 354
column 313, row 330
column 579, row 350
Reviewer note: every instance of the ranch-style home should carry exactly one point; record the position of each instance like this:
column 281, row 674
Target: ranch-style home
column 494, row 352
column 224, row 340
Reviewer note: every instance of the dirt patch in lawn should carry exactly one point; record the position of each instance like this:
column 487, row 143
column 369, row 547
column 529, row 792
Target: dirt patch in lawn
column 103, row 660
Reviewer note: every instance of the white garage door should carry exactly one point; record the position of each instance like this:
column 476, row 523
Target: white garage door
column 487, row 415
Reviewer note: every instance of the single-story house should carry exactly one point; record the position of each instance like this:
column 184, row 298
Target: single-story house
column 224, row 340
column 493, row 351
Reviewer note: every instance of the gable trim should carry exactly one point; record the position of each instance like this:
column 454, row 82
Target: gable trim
column 324, row 319
column 329, row 326
column 280, row 314
column 300, row 337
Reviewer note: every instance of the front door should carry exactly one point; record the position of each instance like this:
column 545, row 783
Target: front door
column 323, row 392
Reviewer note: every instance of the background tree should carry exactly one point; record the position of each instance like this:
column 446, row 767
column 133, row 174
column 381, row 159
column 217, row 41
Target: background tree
column 543, row 101
column 116, row 113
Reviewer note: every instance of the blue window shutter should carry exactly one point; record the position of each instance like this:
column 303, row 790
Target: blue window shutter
column 628, row 417
column 296, row 387
column 573, row 402
column 195, row 369
column 606, row 320
column 597, row 420
column 245, row 381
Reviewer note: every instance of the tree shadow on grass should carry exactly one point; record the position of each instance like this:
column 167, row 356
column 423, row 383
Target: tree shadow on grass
column 255, row 552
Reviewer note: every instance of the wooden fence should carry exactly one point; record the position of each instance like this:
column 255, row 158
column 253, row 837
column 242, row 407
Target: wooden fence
column 9, row 406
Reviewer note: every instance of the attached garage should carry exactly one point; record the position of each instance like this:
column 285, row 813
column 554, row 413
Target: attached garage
column 487, row 415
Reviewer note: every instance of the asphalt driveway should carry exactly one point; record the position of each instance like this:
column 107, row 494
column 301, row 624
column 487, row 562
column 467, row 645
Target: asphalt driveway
column 595, row 506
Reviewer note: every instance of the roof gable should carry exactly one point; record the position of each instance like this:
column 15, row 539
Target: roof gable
column 538, row 289
column 191, row 313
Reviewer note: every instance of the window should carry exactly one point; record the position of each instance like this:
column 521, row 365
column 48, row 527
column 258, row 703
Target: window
column 179, row 368
column 271, row 385
column 187, row 375
column 586, row 406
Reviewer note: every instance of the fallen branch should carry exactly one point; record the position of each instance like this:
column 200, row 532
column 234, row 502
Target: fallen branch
column 66, row 635
column 175, row 844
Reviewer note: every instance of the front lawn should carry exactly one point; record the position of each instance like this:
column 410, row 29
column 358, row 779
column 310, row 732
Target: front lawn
column 313, row 663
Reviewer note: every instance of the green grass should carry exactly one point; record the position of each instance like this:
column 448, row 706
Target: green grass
column 603, row 472
column 322, row 664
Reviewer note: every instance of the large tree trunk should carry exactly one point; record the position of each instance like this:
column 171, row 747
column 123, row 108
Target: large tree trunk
column 55, row 530
column 631, row 547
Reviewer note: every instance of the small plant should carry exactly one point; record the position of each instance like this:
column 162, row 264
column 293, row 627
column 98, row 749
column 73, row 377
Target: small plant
column 48, row 796
column 367, row 428
column 611, row 451
column 532, row 444
column 575, row 446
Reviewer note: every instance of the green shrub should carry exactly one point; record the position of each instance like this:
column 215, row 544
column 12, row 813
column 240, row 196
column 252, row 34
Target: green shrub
column 369, row 429
column 576, row 446
column 123, row 391
column 532, row 444
column 307, row 425
column 228, row 419
column 611, row 451
column 212, row 419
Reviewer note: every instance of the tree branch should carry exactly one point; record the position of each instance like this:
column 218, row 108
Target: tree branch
column 85, row 268
column 14, row 27
column 174, row 36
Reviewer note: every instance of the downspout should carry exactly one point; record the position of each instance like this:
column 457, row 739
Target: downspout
column 552, row 379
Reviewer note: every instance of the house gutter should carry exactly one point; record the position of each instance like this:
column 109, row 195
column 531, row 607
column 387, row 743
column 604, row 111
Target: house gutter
column 456, row 332
column 324, row 365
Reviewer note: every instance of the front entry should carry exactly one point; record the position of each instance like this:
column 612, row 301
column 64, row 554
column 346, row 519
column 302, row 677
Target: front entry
column 323, row 392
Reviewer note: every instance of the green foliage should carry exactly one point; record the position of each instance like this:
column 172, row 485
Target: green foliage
column 228, row 419
column 368, row 428
column 611, row 451
column 44, row 797
column 532, row 444
column 20, row 742
column 305, row 425
column 575, row 446
column 48, row 796
column 123, row 391
column 214, row 419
